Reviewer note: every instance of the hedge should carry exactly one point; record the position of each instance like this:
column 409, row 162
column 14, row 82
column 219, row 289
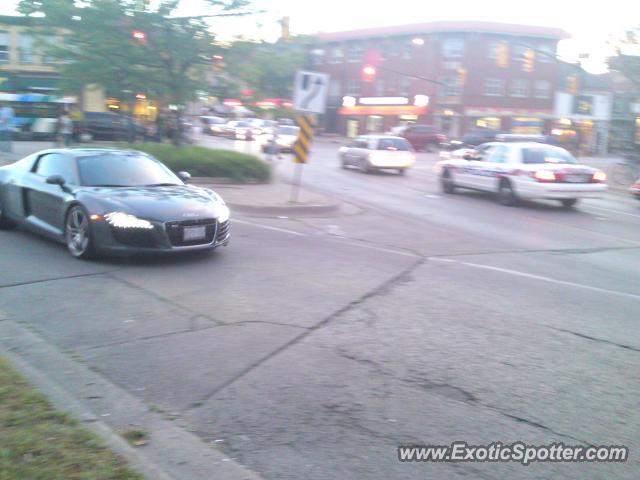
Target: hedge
column 206, row 162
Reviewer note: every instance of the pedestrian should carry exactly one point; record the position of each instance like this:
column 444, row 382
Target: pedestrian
column 6, row 119
column 272, row 149
column 65, row 130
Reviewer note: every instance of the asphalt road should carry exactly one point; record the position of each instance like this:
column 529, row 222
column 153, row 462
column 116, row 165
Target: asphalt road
column 312, row 347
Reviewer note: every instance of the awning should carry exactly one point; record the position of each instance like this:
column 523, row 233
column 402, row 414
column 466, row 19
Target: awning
column 391, row 110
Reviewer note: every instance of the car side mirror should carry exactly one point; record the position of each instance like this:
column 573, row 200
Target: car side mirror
column 184, row 176
column 470, row 156
column 55, row 180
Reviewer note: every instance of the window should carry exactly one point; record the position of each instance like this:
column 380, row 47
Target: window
column 494, row 87
column 451, row 87
column 46, row 43
column 404, row 87
column 546, row 53
column 519, row 88
column 546, row 155
column 4, row 46
column 57, row 164
column 26, row 48
column 336, row 55
column 542, row 89
column 379, row 87
column 355, row 53
column 124, row 169
column 498, row 154
column 453, row 48
column 353, row 87
column 334, row 88
column 394, row 144
column 492, row 53
column 519, row 52
column 407, row 50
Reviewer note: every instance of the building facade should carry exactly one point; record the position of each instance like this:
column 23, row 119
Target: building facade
column 457, row 76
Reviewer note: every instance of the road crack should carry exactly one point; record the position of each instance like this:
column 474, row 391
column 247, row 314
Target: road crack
column 595, row 339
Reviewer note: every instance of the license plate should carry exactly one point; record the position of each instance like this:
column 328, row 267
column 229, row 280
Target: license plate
column 194, row 233
column 574, row 178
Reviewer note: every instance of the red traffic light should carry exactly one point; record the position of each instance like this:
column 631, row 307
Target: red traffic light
column 139, row 36
column 368, row 73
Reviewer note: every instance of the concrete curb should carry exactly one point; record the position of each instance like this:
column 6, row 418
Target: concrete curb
column 172, row 453
column 293, row 208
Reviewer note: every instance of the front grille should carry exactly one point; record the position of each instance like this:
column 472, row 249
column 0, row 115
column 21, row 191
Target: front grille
column 175, row 232
column 223, row 231
column 574, row 177
column 134, row 237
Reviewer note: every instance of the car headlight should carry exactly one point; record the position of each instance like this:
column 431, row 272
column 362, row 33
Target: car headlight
column 124, row 220
column 223, row 216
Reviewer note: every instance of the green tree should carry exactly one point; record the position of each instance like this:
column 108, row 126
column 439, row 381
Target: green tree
column 127, row 46
column 267, row 68
column 627, row 58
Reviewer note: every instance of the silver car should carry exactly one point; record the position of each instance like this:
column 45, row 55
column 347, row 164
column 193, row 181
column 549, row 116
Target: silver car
column 378, row 152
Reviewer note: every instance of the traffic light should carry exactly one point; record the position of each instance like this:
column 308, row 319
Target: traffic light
column 462, row 76
column 573, row 84
column 139, row 36
column 528, row 60
column 502, row 55
column 368, row 73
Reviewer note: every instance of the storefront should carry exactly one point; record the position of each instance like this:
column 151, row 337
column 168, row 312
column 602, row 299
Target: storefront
column 513, row 120
column 379, row 114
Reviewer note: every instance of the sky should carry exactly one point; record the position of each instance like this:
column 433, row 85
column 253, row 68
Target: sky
column 591, row 23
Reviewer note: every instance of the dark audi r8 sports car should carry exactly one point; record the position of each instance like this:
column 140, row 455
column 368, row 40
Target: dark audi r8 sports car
column 110, row 201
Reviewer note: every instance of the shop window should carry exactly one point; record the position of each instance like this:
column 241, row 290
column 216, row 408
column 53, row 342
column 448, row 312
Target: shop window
column 375, row 123
column 519, row 88
column 453, row 48
column 491, row 123
column 4, row 47
column 494, row 87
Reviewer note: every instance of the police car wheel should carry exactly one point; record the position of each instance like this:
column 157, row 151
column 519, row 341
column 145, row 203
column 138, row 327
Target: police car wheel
column 447, row 182
column 506, row 195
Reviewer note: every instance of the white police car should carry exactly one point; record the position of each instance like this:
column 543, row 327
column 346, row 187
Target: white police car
column 522, row 170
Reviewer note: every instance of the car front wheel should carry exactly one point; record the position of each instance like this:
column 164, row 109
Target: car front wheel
column 447, row 182
column 77, row 233
column 5, row 223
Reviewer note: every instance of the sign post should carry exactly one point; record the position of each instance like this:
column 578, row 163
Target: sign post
column 309, row 99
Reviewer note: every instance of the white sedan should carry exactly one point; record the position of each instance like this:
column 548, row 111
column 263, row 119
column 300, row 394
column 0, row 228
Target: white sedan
column 377, row 152
column 528, row 170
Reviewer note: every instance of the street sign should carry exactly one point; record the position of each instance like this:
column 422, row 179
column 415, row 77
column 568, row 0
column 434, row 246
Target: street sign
column 310, row 92
column 305, row 137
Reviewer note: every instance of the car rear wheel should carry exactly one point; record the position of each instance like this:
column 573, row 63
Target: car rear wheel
column 5, row 223
column 506, row 194
column 569, row 202
column 77, row 233
column 447, row 182
column 402, row 171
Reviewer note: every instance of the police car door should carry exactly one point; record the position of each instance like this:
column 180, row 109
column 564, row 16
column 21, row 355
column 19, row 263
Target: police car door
column 491, row 167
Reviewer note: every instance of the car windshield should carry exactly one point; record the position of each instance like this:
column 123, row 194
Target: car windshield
column 393, row 144
column 124, row 170
column 534, row 155
column 288, row 131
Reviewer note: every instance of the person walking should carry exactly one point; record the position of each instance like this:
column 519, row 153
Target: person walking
column 65, row 130
column 6, row 119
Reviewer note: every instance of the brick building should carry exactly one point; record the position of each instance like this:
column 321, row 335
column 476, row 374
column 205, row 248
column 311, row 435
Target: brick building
column 491, row 75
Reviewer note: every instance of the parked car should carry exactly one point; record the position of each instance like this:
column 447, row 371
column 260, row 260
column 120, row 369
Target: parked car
column 238, row 130
column 525, row 170
column 635, row 189
column 111, row 126
column 422, row 137
column 377, row 152
column 260, row 126
column 285, row 138
column 213, row 125
column 110, row 201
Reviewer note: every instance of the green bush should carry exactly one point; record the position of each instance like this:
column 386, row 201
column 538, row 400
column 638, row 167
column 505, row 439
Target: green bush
column 206, row 162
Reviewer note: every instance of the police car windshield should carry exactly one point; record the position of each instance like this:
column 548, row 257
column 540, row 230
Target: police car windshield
column 534, row 155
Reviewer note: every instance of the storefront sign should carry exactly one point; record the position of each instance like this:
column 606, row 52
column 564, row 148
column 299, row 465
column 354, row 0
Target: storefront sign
column 383, row 101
